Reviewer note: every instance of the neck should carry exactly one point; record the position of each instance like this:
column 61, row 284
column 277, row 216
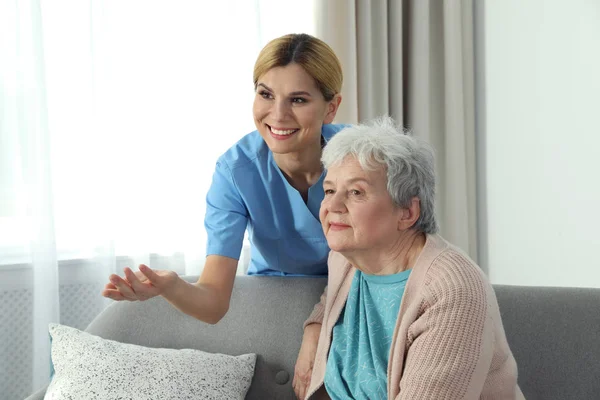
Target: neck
column 400, row 256
column 302, row 169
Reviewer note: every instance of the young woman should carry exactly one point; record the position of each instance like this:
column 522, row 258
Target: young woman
column 269, row 183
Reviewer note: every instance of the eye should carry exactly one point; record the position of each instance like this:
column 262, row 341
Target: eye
column 355, row 192
column 265, row 95
column 328, row 192
column 298, row 100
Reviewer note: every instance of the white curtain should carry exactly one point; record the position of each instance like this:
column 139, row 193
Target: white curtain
column 112, row 115
column 27, row 221
column 413, row 60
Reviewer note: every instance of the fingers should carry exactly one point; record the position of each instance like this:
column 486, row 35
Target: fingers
column 304, row 387
column 113, row 295
column 302, row 392
column 300, row 384
column 134, row 286
column 140, row 284
column 297, row 392
column 137, row 286
column 123, row 287
column 300, row 388
column 149, row 273
column 132, row 278
column 294, row 383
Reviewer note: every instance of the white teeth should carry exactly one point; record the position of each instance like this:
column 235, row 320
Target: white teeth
column 284, row 133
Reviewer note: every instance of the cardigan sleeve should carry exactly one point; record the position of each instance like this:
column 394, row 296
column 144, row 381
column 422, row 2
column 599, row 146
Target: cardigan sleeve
column 334, row 263
column 450, row 344
column 316, row 316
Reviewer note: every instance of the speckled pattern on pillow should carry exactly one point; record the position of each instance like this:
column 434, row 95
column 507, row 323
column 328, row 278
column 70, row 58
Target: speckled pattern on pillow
column 90, row 367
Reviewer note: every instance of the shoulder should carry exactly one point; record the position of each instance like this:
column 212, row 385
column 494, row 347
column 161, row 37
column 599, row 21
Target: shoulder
column 250, row 149
column 329, row 130
column 336, row 259
column 454, row 263
column 338, row 266
column 453, row 276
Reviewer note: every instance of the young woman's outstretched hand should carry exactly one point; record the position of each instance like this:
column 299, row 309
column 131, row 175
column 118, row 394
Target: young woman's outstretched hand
column 207, row 299
column 141, row 285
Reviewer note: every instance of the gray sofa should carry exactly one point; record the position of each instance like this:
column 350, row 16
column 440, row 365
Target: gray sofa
column 554, row 333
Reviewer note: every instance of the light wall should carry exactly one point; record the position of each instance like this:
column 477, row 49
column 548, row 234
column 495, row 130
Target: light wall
column 539, row 141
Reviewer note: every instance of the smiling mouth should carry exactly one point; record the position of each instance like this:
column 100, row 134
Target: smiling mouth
column 281, row 131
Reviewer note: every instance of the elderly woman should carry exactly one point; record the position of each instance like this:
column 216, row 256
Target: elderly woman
column 406, row 314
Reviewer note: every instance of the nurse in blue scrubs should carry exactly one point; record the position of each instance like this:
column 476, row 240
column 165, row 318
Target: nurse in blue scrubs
column 268, row 184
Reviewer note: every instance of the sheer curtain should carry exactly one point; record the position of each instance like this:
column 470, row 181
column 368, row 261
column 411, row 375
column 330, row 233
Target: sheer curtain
column 112, row 115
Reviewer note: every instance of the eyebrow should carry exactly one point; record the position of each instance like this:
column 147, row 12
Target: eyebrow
column 350, row 181
column 298, row 93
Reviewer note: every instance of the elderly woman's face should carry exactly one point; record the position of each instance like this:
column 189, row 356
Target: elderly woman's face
column 358, row 213
column 289, row 109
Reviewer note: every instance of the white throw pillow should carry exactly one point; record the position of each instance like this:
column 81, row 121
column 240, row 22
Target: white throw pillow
column 90, row 367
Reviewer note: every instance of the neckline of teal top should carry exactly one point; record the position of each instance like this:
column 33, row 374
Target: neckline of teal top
column 393, row 278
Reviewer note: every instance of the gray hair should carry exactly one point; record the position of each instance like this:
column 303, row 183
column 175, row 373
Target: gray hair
column 409, row 162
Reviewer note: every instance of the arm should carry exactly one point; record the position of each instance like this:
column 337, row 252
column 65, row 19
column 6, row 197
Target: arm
column 452, row 342
column 206, row 300
column 306, row 360
column 308, row 349
column 316, row 316
column 318, row 312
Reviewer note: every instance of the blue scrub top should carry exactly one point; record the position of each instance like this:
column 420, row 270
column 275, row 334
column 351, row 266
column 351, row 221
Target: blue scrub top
column 249, row 191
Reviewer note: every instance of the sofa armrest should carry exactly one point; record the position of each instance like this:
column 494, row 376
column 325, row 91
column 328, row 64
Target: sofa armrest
column 39, row 395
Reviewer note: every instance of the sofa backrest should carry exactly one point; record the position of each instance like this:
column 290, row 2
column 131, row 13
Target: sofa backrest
column 265, row 317
column 553, row 333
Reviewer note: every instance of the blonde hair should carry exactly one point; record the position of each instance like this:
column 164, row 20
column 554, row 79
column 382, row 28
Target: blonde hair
column 312, row 54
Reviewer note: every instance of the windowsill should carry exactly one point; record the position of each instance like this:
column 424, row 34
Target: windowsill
column 174, row 262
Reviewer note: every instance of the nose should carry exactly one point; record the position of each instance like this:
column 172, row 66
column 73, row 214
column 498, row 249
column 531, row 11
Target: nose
column 335, row 203
column 280, row 109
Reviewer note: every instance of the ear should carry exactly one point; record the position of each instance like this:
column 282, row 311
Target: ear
column 332, row 107
column 410, row 214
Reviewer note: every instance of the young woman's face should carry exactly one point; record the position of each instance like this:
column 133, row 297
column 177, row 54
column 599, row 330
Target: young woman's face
column 289, row 109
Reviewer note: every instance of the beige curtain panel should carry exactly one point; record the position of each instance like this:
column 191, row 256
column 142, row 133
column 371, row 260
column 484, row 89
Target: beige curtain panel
column 413, row 60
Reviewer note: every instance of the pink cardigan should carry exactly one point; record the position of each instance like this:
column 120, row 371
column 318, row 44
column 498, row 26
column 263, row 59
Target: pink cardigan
column 449, row 342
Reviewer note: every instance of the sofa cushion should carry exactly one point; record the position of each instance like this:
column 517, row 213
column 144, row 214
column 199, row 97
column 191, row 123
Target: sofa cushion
column 88, row 366
column 553, row 334
column 265, row 317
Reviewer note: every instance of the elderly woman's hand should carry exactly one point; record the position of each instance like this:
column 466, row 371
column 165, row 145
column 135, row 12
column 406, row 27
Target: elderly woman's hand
column 141, row 285
column 306, row 360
